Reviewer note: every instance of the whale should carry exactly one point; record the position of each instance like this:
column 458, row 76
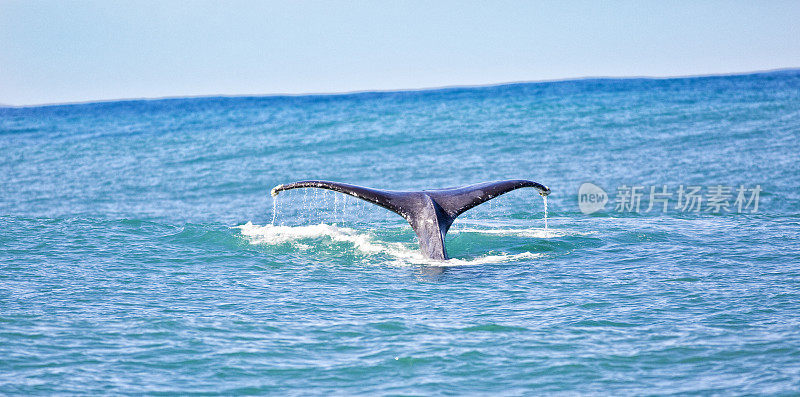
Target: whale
column 429, row 212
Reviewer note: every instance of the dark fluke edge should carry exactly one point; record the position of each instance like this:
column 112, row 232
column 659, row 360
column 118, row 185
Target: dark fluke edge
column 430, row 212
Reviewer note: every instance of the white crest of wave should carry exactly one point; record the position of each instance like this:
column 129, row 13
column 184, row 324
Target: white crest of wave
column 273, row 235
column 531, row 233
column 364, row 242
column 488, row 259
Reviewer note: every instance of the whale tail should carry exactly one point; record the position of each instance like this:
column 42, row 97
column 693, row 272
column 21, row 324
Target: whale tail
column 429, row 212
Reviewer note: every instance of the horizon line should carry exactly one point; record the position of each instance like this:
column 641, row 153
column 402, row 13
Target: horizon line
column 399, row 90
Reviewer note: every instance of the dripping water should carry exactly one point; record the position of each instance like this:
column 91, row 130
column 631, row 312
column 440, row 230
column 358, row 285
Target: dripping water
column 545, row 214
column 335, row 206
column 274, row 208
column 316, row 200
column 305, row 199
column 344, row 206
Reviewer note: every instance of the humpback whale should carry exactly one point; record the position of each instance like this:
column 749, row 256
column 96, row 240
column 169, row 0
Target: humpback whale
column 429, row 212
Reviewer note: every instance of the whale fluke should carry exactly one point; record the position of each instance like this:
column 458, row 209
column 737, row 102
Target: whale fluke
column 429, row 212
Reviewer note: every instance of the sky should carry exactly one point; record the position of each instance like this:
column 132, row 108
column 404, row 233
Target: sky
column 73, row 51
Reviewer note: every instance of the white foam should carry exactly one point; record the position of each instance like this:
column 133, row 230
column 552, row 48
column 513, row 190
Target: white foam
column 489, row 259
column 274, row 235
column 400, row 253
column 530, row 233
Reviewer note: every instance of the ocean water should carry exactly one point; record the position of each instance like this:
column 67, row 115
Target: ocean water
column 138, row 251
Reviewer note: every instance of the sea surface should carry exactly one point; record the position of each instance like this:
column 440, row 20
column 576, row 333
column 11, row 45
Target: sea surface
column 141, row 253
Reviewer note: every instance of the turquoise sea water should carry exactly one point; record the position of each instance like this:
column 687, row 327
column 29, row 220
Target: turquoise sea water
column 138, row 254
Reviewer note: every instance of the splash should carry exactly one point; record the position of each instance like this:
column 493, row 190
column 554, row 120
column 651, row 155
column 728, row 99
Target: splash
column 398, row 254
column 528, row 233
column 275, row 235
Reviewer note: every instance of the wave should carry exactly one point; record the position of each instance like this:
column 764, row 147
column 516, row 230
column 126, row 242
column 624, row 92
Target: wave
column 301, row 237
column 530, row 233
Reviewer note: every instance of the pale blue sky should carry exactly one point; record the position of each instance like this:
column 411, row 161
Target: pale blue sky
column 63, row 51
